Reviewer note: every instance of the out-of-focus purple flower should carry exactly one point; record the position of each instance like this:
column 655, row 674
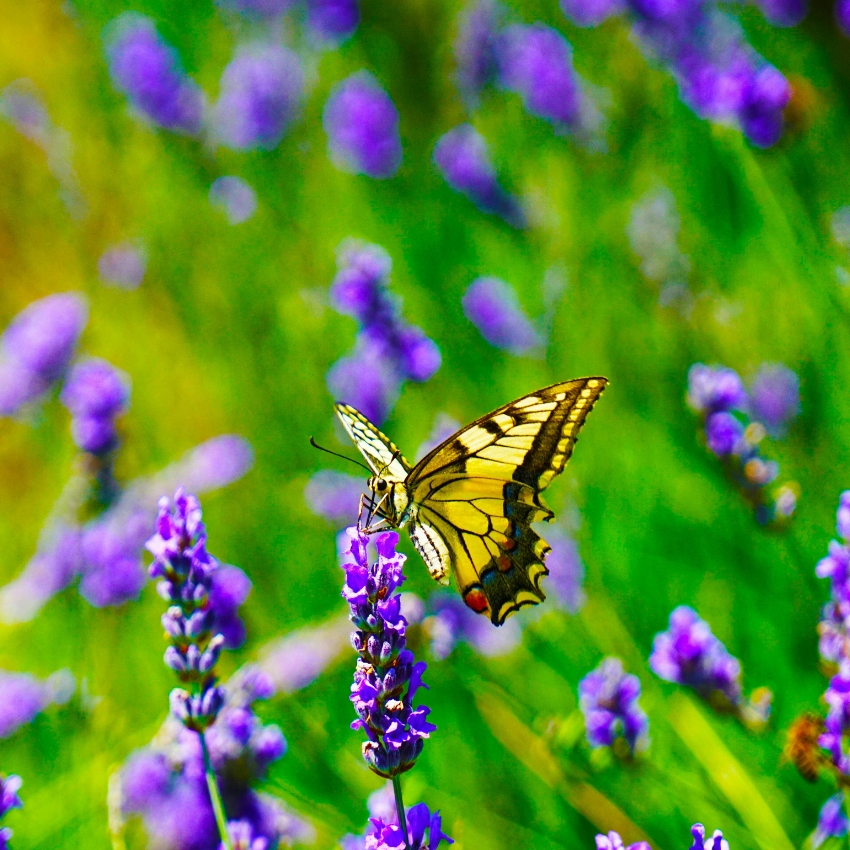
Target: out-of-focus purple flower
column 95, row 393
column 566, row 569
column 198, row 605
column 214, row 463
column 9, row 799
column 333, row 21
column 783, row 13
column 842, row 16
column 715, row 388
column 462, row 156
column 165, row 784
column 37, row 346
column 22, row 697
column 123, row 265
column 453, row 621
column 444, row 427
column 716, row 842
column 608, row 699
column 723, row 433
column 148, row 71
column 476, row 49
column 334, row 495
column 111, row 571
column 775, row 397
column 591, row 13
column 235, row 196
column 388, row 350
column 242, row 837
column 689, row 654
column 387, row 677
column 653, row 232
column 361, row 123
column 423, row 828
column 536, row 62
column 832, row 821
column 612, row 841
column 261, row 89
column 493, row 307
column 294, row 661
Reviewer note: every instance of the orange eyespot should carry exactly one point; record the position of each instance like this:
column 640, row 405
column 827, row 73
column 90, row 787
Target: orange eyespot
column 476, row 600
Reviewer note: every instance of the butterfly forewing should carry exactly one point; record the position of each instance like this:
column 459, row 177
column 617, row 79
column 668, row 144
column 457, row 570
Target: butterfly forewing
column 479, row 492
column 379, row 451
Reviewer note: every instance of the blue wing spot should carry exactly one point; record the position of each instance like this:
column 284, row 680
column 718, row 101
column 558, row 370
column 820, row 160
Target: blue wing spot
column 489, row 576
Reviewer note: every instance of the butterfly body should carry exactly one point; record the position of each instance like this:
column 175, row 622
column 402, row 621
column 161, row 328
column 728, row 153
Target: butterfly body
column 469, row 504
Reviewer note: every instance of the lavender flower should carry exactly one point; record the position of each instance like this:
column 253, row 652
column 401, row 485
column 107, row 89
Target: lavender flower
column 536, row 62
column 387, row 678
column 185, row 571
column 591, row 13
column 261, row 89
column 361, row 123
column 612, row 841
column 95, row 393
column 123, row 266
column 715, row 388
column 774, row 398
column 463, row 159
column 164, row 783
column 832, row 821
column 148, row 71
column 23, row 697
column 106, row 552
column 476, row 49
column 452, row 621
column 689, row 654
column 333, row 21
column 235, row 197
column 842, row 16
column 36, row 348
column 387, row 350
column 608, row 699
column 334, row 495
column 9, row 799
column 493, row 307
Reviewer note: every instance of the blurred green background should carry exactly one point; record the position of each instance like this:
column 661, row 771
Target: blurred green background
column 220, row 337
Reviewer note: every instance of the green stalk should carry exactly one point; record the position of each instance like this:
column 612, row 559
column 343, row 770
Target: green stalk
column 215, row 795
column 399, row 804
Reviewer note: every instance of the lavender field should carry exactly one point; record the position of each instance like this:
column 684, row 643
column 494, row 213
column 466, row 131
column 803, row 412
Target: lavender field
column 219, row 218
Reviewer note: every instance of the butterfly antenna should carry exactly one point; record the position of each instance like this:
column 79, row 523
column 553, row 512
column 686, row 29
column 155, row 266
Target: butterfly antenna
column 315, row 445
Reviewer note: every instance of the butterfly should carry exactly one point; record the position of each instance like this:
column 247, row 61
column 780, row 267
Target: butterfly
column 469, row 503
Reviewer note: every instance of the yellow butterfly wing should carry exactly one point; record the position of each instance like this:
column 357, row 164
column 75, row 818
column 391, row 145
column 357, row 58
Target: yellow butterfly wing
column 476, row 495
column 379, row 451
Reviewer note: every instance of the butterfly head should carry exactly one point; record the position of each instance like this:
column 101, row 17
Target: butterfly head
column 390, row 500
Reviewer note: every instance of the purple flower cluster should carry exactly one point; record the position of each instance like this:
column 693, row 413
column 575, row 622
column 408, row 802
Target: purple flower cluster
column 235, row 196
column 261, row 90
column 37, row 347
column 387, row 677
column 689, row 654
column 842, row 16
column 147, row 71
column 384, row 833
column 612, row 841
column 164, row 783
column 198, row 617
column 329, row 22
column 123, row 266
column 534, row 61
column 23, row 697
column 463, row 159
column 105, row 552
column 493, row 307
column 9, row 799
column 96, row 393
column 734, row 430
column 608, row 700
column 720, row 76
column 388, row 350
column 361, row 123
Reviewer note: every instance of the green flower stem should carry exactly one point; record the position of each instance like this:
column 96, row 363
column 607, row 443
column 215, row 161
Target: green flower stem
column 215, row 795
column 399, row 804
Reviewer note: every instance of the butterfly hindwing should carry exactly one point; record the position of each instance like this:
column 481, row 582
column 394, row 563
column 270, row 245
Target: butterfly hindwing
column 479, row 493
column 379, row 451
